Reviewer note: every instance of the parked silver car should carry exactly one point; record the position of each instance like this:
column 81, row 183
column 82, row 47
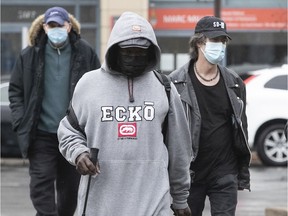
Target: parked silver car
column 9, row 144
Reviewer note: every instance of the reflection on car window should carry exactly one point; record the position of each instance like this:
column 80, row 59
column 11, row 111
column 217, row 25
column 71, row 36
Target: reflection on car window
column 279, row 82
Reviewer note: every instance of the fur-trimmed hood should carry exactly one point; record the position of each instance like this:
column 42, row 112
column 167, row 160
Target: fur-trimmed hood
column 36, row 29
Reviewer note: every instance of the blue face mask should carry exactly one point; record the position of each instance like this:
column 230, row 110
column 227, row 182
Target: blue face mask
column 214, row 52
column 57, row 35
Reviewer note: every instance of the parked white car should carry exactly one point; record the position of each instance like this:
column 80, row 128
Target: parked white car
column 267, row 113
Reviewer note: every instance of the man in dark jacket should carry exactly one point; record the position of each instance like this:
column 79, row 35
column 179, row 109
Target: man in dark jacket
column 41, row 86
column 214, row 99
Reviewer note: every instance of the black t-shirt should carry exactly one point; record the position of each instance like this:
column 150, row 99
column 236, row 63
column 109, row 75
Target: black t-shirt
column 216, row 156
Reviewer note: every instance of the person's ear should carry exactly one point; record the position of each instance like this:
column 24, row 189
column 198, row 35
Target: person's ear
column 199, row 45
column 45, row 27
column 69, row 27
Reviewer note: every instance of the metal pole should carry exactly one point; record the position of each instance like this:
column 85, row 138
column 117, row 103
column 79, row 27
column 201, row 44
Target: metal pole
column 217, row 13
column 217, row 8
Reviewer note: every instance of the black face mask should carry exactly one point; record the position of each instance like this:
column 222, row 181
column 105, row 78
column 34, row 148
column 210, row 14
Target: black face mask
column 132, row 64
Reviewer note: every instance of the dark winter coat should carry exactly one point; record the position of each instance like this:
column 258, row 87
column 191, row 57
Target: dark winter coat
column 27, row 78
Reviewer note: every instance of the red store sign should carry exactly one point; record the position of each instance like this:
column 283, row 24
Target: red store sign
column 236, row 18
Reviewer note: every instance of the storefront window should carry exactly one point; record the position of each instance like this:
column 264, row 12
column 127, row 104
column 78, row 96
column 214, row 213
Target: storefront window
column 181, row 59
column 89, row 35
column 167, row 62
column 88, row 14
column 10, row 47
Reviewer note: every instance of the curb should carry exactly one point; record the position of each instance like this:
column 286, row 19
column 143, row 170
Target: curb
column 276, row 211
column 14, row 162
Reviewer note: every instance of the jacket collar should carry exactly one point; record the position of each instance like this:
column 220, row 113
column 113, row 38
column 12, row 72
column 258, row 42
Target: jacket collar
column 231, row 81
column 181, row 77
column 180, row 74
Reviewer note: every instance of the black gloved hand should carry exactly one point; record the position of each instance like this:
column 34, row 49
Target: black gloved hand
column 85, row 166
column 182, row 212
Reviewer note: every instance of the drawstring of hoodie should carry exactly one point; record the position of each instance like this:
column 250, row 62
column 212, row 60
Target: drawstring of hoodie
column 130, row 89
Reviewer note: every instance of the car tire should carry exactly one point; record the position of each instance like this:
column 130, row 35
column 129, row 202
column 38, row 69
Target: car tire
column 272, row 146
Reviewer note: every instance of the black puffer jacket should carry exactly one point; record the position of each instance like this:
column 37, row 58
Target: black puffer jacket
column 237, row 96
column 27, row 79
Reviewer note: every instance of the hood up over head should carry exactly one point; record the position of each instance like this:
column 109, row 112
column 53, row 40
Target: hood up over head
column 132, row 30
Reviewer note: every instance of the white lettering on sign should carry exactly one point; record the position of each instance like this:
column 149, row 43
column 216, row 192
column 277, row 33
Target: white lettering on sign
column 23, row 15
column 180, row 18
column 174, row 18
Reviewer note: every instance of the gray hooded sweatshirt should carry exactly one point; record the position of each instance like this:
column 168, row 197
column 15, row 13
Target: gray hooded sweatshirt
column 139, row 172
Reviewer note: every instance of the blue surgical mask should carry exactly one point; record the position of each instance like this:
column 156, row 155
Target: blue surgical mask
column 57, row 35
column 214, row 52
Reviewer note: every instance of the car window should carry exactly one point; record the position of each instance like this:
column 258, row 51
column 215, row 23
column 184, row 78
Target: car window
column 4, row 94
column 278, row 82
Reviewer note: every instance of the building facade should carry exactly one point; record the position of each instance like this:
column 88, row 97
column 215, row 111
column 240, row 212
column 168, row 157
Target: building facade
column 17, row 16
column 258, row 28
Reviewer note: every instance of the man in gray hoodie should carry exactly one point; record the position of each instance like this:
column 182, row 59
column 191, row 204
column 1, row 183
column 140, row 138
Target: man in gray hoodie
column 122, row 108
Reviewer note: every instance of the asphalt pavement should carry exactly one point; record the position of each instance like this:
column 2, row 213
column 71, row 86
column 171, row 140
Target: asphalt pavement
column 268, row 190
